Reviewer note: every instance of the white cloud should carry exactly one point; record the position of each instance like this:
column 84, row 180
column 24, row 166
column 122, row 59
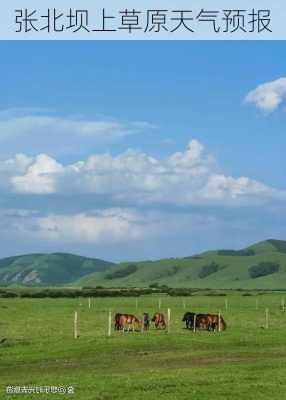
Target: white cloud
column 100, row 226
column 268, row 96
column 23, row 123
column 106, row 226
column 40, row 177
column 183, row 178
column 220, row 187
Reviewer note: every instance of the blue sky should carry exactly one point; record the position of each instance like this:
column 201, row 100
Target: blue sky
column 132, row 150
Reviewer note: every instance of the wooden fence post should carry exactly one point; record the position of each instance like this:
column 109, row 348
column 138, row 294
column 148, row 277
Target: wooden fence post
column 89, row 302
column 136, row 303
column 109, row 324
column 283, row 304
column 256, row 304
column 266, row 318
column 184, row 304
column 219, row 322
column 195, row 321
column 159, row 304
column 226, row 304
column 169, row 319
column 75, row 330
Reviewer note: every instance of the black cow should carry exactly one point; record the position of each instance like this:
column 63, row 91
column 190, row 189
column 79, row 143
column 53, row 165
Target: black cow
column 188, row 318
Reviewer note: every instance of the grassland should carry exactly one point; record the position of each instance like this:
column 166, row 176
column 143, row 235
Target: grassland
column 245, row 362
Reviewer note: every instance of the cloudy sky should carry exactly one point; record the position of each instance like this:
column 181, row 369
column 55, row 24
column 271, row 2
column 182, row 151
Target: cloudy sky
column 141, row 150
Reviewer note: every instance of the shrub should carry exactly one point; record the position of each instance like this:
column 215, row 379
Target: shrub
column 208, row 270
column 215, row 294
column 194, row 257
column 154, row 285
column 280, row 245
column 166, row 273
column 7, row 294
column 180, row 292
column 247, row 252
column 263, row 269
column 122, row 273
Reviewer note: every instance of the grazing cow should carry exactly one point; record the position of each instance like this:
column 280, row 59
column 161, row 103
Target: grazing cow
column 208, row 322
column 202, row 321
column 216, row 322
column 127, row 322
column 159, row 321
column 188, row 318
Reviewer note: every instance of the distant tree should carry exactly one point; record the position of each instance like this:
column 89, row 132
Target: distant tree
column 122, row 273
column 208, row 270
column 154, row 285
column 245, row 253
column 280, row 245
column 263, row 269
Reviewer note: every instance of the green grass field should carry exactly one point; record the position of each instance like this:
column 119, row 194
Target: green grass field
column 244, row 362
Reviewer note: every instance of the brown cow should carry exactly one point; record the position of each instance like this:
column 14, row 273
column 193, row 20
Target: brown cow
column 210, row 322
column 159, row 321
column 126, row 322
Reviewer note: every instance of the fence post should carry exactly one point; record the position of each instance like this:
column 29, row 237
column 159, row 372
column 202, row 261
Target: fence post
column 219, row 322
column 169, row 319
column 159, row 304
column 226, row 304
column 266, row 318
column 184, row 304
column 256, row 304
column 142, row 325
column 109, row 324
column 136, row 303
column 283, row 304
column 89, row 302
column 195, row 321
column 75, row 331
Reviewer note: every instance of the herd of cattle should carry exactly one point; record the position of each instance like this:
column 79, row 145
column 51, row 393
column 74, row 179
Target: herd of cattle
column 209, row 322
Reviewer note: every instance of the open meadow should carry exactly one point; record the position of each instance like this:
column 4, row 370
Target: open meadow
column 246, row 361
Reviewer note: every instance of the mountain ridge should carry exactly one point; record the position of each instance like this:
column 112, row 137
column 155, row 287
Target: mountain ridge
column 48, row 269
column 259, row 266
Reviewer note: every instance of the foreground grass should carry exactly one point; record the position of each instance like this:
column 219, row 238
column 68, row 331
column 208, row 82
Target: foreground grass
column 244, row 362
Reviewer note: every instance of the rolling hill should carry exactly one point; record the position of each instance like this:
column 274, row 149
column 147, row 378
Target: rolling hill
column 47, row 269
column 260, row 266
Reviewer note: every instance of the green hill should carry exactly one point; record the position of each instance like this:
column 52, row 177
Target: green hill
column 47, row 269
column 261, row 266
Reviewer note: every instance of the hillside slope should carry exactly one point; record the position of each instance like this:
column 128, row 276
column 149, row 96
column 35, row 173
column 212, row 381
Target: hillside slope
column 47, row 269
column 261, row 266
